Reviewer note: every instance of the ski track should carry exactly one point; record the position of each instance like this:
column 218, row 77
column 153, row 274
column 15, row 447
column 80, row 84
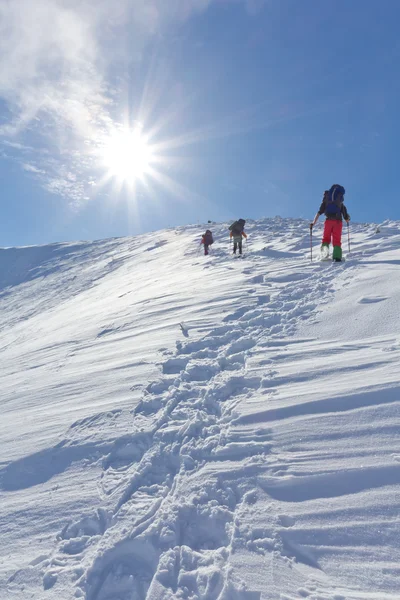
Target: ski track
column 180, row 489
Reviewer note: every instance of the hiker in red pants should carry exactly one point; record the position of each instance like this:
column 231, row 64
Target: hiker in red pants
column 334, row 209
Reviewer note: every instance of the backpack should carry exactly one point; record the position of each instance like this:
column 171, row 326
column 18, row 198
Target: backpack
column 237, row 227
column 208, row 238
column 333, row 207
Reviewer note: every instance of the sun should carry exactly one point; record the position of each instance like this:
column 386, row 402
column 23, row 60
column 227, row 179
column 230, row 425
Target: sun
column 127, row 155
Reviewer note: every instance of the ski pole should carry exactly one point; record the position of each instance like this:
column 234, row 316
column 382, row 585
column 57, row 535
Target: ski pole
column 311, row 241
column 348, row 235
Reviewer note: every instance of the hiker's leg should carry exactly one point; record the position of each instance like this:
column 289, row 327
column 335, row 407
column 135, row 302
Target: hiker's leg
column 205, row 249
column 337, row 239
column 337, row 233
column 327, row 234
column 234, row 247
column 240, row 247
column 326, row 239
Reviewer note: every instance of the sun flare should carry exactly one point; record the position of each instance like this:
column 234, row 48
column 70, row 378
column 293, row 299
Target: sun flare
column 127, row 155
column 136, row 161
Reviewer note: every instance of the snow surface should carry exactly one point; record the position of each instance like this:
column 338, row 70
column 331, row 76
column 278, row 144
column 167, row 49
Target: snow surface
column 177, row 426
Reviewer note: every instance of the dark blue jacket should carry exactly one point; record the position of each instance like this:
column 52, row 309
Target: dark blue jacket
column 343, row 212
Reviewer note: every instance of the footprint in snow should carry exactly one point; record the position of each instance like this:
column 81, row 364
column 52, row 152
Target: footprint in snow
column 240, row 312
column 263, row 299
column 286, row 521
column 257, row 279
column 174, row 366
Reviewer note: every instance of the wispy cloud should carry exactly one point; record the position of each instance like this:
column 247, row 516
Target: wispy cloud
column 57, row 56
column 31, row 168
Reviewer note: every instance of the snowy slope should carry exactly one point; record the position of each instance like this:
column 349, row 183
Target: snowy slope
column 190, row 427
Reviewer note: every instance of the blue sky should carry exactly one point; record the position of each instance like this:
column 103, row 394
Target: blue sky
column 244, row 108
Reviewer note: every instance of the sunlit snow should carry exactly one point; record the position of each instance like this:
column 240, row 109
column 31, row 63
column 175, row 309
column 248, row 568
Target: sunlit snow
column 176, row 426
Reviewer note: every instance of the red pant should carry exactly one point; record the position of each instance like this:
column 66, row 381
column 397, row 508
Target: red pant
column 332, row 231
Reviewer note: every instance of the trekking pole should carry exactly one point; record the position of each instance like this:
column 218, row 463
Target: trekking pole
column 311, row 241
column 348, row 235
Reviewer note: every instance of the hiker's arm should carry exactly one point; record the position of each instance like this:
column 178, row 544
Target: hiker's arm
column 315, row 219
column 320, row 212
column 345, row 214
column 244, row 234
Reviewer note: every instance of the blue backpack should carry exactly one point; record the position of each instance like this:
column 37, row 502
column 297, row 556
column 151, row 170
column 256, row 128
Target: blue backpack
column 334, row 202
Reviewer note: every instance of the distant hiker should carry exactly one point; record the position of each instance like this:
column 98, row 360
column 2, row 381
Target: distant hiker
column 333, row 208
column 237, row 232
column 207, row 239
